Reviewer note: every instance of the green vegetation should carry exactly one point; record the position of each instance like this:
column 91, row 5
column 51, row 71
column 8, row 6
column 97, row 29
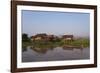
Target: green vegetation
column 44, row 44
column 78, row 42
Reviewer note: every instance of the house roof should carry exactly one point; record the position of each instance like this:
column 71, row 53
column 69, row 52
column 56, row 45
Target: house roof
column 40, row 35
column 67, row 36
column 43, row 34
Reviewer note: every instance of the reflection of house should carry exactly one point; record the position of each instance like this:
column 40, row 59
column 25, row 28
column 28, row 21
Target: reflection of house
column 39, row 50
column 67, row 37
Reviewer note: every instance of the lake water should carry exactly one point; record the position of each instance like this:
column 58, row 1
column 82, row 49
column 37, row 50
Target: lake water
column 31, row 54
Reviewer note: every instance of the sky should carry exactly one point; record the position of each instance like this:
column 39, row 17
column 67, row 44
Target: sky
column 57, row 23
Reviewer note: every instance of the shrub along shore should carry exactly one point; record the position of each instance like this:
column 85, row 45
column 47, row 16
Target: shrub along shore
column 78, row 43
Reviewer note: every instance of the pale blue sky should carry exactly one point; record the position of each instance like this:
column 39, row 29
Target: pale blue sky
column 57, row 23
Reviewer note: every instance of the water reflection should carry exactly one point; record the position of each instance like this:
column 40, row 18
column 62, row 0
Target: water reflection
column 24, row 48
column 43, row 50
column 72, row 48
column 39, row 50
column 53, row 53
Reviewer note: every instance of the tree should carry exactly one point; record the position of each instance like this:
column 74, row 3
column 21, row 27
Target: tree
column 25, row 37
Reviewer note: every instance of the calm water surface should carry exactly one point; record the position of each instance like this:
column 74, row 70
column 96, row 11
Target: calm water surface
column 31, row 54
